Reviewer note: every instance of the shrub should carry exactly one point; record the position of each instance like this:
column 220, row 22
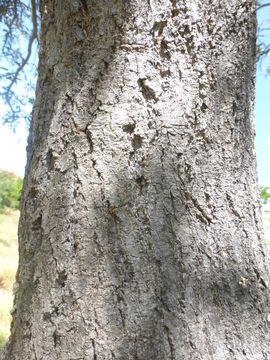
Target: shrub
column 265, row 194
column 10, row 190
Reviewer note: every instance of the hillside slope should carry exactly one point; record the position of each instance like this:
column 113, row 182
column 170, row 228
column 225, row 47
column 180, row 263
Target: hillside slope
column 8, row 268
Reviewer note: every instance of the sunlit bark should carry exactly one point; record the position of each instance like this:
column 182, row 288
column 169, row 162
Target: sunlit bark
column 140, row 232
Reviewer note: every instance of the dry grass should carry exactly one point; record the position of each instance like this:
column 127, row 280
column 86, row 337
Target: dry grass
column 8, row 268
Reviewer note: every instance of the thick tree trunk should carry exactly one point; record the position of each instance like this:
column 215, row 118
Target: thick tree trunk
column 140, row 232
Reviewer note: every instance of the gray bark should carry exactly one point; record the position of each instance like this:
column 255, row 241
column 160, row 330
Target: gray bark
column 140, row 234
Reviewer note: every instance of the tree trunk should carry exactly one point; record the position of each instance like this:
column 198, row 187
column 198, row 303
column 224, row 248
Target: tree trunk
column 140, row 232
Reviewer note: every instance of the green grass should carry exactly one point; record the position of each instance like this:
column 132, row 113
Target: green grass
column 8, row 268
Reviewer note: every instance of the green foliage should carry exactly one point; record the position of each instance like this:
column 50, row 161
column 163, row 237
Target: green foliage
column 10, row 190
column 265, row 194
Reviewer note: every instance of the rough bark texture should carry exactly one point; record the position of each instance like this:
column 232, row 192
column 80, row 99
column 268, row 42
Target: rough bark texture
column 140, row 231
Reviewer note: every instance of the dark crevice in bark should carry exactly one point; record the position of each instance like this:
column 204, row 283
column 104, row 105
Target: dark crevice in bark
column 129, row 128
column 137, row 141
column 62, row 278
column 35, row 354
column 89, row 137
column 54, row 338
column 94, row 350
column 262, row 281
column 147, row 92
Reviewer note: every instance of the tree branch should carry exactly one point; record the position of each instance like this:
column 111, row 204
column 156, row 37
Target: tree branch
column 10, row 25
column 24, row 62
column 262, row 6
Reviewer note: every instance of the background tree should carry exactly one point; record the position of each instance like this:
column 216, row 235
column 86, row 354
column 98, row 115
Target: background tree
column 265, row 194
column 20, row 26
column 263, row 45
column 10, row 190
column 140, row 230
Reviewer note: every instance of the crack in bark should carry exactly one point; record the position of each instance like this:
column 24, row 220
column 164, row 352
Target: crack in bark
column 122, row 318
column 205, row 217
column 262, row 281
column 35, row 354
column 170, row 342
column 54, row 338
column 94, row 349
column 89, row 138
column 147, row 92
column 231, row 205
column 85, row 6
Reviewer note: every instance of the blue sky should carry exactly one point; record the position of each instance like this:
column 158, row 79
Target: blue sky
column 262, row 105
column 262, row 121
column 12, row 145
